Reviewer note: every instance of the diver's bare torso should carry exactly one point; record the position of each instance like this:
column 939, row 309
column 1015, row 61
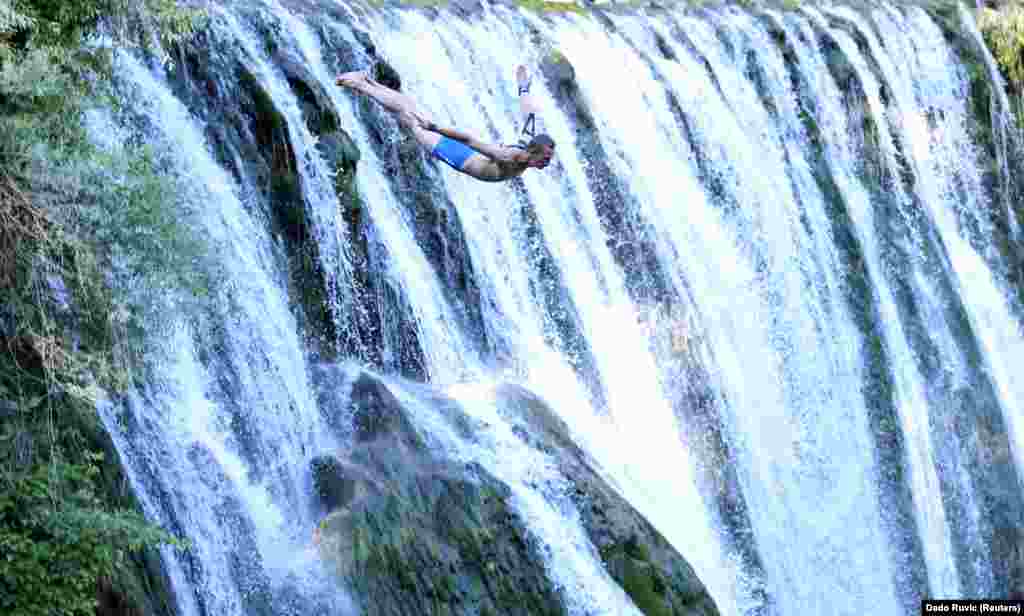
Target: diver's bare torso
column 489, row 170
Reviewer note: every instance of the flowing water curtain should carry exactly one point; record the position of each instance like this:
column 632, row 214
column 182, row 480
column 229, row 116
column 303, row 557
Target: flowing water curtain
column 741, row 158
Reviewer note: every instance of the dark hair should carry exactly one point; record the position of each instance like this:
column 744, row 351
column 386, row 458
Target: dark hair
column 540, row 140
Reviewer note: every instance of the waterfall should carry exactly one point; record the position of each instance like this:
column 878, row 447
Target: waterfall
column 820, row 220
column 908, row 393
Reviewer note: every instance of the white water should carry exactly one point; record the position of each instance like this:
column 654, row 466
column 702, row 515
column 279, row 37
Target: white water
column 800, row 429
column 757, row 258
column 449, row 357
column 909, row 395
column 315, row 177
column 945, row 158
column 645, row 457
column 203, row 468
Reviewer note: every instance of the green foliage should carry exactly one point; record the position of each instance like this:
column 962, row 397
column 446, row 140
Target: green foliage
column 57, row 539
column 117, row 229
column 551, row 6
column 58, row 26
column 1004, row 34
column 94, row 245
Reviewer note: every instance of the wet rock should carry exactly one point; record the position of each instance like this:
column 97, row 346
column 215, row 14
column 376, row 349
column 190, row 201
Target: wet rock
column 386, row 75
column 377, row 414
column 638, row 557
column 423, row 535
column 271, row 143
column 334, row 488
column 331, row 383
column 8, row 409
column 466, row 8
column 558, row 71
column 339, row 150
column 629, row 239
column 420, row 533
column 112, row 601
column 251, row 138
column 438, row 231
column 316, row 104
column 365, row 40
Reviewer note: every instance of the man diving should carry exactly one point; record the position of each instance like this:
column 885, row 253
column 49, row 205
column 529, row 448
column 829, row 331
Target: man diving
column 462, row 152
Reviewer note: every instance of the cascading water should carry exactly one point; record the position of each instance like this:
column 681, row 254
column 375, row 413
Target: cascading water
column 908, row 393
column 815, row 203
column 219, row 470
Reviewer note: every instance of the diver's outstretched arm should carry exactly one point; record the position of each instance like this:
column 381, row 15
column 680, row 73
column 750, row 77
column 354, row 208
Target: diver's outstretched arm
column 494, row 152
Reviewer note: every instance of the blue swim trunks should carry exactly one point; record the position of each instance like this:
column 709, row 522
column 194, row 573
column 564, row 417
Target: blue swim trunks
column 452, row 152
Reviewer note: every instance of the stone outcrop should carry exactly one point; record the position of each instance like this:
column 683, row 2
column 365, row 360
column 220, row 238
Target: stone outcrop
column 412, row 532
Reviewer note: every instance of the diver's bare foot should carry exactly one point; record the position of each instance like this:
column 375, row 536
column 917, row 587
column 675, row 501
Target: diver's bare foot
column 351, row 78
column 523, row 79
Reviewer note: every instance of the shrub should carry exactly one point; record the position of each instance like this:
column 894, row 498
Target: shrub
column 1004, row 34
column 90, row 241
column 58, row 540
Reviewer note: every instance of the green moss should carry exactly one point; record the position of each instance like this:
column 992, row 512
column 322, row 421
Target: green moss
column 270, row 124
column 1003, row 31
column 635, row 549
column 284, row 185
column 642, row 583
column 548, row 6
column 435, row 544
column 82, row 231
column 629, row 564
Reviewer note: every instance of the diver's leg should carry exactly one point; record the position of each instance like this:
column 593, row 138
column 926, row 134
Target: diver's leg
column 414, row 124
column 392, row 100
column 408, row 115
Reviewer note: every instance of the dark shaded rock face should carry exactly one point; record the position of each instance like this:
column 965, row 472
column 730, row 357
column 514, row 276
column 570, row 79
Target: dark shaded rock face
column 412, row 532
column 649, row 569
column 386, row 75
column 252, row 140
column 112, row 602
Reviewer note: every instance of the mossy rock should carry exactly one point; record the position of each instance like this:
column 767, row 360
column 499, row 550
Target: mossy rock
column 655, row 576
column 378, row 415
column 342, row 154
column 439, row 544
column 386, row 75
column 417, row 533
column 334, row 487
column 558, row 71
column 339, row 150
column 414, row 533
column 316, row 105
column 650, row 589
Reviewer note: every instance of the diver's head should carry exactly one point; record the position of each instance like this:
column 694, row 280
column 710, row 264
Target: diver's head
column 540, row 149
